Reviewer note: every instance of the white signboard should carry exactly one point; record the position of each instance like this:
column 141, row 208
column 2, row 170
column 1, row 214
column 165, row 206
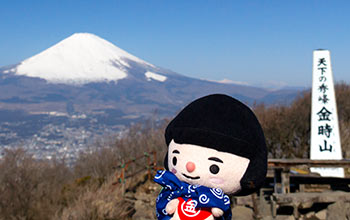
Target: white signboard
column 325, row 141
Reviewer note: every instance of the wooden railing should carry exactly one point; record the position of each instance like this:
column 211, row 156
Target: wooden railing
column 150, row 165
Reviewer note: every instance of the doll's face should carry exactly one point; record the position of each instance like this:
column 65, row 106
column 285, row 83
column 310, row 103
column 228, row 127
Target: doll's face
column 198, row 165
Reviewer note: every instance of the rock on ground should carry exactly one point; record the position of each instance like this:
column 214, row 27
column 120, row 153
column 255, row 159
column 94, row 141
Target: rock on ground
column 338, row 210
column 242, row 212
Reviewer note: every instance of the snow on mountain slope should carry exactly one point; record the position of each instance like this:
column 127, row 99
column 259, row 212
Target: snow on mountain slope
column 150, row 75
column 78, row 59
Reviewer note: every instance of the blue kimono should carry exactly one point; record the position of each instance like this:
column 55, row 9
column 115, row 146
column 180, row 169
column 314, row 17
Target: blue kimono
column 203, row 197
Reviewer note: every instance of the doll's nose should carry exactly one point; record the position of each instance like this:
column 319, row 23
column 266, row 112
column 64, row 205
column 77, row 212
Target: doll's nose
column 190, row 166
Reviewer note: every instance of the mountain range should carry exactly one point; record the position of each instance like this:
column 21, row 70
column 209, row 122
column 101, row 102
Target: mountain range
column 87, row 75
column 91, row 73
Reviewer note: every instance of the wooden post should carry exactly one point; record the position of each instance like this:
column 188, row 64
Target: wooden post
column 154, row 160
column 149, row 168
column 281, row 180
column 277, row 180
column 273, row 207
column 255, row 206
column 122, row 179
column 285, row 181
column 295, row 211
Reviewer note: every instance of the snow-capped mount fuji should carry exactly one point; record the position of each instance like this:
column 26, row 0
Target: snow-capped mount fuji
column 82, row 58
column 92, row 75
column 85, row 86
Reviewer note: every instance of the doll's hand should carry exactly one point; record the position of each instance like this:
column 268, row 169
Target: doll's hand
column 217, row 212
column 171, row 206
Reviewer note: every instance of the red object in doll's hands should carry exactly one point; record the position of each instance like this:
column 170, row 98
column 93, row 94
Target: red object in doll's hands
column 187, row 210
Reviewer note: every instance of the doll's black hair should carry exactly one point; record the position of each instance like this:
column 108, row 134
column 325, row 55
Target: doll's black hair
column 225, row 124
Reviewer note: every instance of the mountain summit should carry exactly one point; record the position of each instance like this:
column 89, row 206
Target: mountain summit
column 85, row 86
column 87, row 74
column 79, row 59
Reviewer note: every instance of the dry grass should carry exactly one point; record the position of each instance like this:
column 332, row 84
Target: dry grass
column 287, row 128
column 34, row 189
column 29, row 188
column 102, row 202
column 136, row 141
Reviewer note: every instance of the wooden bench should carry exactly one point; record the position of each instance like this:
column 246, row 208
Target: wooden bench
column 282, row 170
column 296, row 200
column 282, row 178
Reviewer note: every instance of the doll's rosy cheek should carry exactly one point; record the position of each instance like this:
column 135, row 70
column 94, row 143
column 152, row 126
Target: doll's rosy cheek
column 216, row 180
column 173, row 171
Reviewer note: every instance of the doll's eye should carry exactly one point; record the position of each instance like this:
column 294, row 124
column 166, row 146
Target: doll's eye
column 214, row 169
column 174, row 161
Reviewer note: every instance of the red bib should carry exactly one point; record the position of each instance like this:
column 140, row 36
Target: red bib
column 188, row 210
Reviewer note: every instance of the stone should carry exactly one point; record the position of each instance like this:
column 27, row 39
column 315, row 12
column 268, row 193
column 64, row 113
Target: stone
column 338, row 210
column 306, row 205
column 309, row 215
column 321, row 215
column 264, row 207
column 279, row 217
column 244, row 201
column 242, row 212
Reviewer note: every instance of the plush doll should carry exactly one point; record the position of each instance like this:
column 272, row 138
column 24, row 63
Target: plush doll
column 216, row 147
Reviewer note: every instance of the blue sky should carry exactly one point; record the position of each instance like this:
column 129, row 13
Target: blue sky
column 257, row 42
